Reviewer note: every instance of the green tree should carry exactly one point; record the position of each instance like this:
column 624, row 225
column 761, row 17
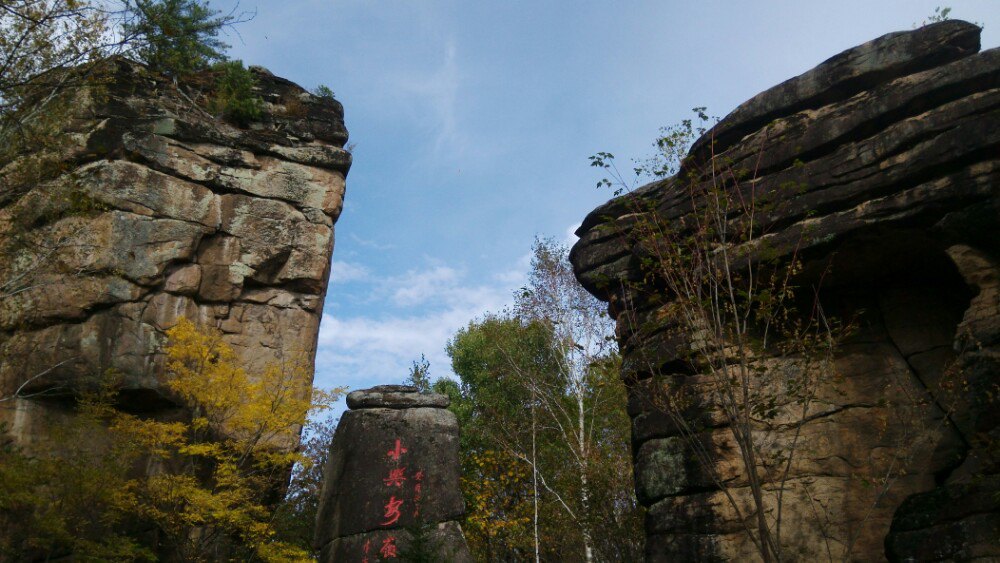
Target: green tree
column 176, row 37
column 70, row 498
column 420, row 374
column 545, row 435
column 496, row 444
column 234, row 97
column 567, row 399
column 323, row 91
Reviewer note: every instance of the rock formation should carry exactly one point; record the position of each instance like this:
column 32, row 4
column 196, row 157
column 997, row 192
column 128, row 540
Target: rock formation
column 164, row 211
column 392, row 473
column 895, row 145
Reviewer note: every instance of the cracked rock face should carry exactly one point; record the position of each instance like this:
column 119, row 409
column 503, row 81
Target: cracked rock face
column 896, row 147
column 165, row 212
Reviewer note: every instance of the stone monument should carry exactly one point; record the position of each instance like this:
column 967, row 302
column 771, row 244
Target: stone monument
column 391, row 483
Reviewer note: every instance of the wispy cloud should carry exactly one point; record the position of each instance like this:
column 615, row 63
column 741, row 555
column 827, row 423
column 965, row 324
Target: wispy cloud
column 344, row 272
column 430, row 306
column 516, row 276
column 369, row 243
column 438, row 90
column 419, row 287
column 365, row 351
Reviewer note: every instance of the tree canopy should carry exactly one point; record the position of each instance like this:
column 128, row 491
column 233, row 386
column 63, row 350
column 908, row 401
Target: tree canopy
column 545, row 440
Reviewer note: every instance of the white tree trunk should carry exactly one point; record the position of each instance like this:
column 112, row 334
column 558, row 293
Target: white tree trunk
column 588, row 547
column 534, row 475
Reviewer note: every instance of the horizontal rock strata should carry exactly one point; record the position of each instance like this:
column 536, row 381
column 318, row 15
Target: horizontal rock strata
column 164, row 211
column 884, row 163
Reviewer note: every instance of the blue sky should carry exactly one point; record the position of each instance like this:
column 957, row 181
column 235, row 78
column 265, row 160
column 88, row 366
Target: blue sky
column 472, row 122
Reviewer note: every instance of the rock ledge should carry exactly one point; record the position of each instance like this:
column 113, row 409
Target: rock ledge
column 395, row 397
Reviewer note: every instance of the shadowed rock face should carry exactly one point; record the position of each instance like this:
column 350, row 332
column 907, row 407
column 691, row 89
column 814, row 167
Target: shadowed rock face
column 392, row 470
column 186, row 216
column 895, row 145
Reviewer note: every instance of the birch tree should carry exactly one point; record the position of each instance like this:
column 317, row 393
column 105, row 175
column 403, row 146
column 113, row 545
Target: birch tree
column 581, row 334
column 540, row 384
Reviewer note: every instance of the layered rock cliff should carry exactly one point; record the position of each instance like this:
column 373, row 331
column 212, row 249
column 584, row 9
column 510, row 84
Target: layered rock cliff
column 894, row 149
column 163, row 211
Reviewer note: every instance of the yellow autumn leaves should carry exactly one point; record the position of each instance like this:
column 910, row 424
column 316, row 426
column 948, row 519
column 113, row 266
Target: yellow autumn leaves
column 497, row 490
column 196, row 483
column 216, row 467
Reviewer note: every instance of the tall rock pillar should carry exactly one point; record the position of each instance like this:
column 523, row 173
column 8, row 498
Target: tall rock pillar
column 881, row 172
column 390, row 487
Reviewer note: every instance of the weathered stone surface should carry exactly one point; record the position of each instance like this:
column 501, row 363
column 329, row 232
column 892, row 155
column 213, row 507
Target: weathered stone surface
column 841, row 76
column 392, row 468
column 356, row 493
column 167, row 212
column 395, row 397
column 959, row 522
column 444, row 539
column 893, row 157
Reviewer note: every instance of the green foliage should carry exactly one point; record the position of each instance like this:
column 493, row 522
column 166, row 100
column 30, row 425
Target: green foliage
column 940, row 15
column 234, row 95
column 295, row 516
column 490, row 405
column 420, row 375
column 527, row 376
column 671, row 147
column 67, row 499
column 493, row 357
column 323, row 91
column 176, row 37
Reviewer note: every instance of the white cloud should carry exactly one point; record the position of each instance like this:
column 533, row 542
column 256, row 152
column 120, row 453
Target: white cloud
column 344, row 272
column 433, row 304
column 371, row 243
column 517, row 276
column 438, row 89
column 417, row 287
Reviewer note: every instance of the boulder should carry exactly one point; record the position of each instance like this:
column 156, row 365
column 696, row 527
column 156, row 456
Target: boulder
column 392, row 473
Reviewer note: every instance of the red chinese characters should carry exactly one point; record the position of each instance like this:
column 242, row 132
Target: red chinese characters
column 396, row 480
column 392, row 513
column 366, row 549
column 396, row 477
column 418, row 478
column 395, row 453
column 388, row 550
